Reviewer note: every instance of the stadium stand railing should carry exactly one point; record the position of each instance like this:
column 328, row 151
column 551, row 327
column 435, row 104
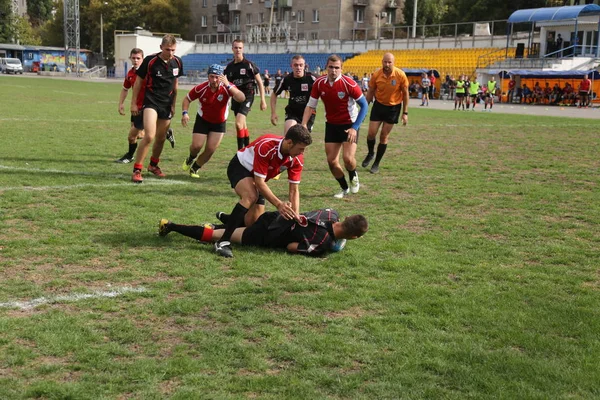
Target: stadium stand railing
column 197, row 64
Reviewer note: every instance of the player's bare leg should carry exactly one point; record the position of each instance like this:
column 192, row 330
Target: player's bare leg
column 150, row 117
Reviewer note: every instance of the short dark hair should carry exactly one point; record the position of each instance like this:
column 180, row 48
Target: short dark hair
column 136, row 50
column 355, row 225
column 237, row 41
column 298, row 57
column 334, row 58
column 168, row 40
column 299, row 134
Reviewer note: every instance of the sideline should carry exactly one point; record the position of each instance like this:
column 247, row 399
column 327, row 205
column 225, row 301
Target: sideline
column 28, row 305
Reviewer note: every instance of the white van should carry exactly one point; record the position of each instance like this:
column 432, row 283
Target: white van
column 11, row 66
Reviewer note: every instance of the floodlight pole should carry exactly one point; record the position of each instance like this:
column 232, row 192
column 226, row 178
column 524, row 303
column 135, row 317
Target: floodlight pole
column 414, row 27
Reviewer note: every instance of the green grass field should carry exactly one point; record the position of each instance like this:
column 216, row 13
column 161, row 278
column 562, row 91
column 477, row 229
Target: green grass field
column 478, row 279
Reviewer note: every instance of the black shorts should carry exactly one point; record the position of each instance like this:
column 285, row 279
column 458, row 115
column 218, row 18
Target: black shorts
column 309, row 124
column 583, row 93
column 236, row 171
column 138, row 121
column 473, row 95
column 460, row 95
column 244, row 107
column 163, row 110
column 425, row 90
column 387, row 114
column 203, row 127
column 489, row 96
column 258, row 233
column 337, row 133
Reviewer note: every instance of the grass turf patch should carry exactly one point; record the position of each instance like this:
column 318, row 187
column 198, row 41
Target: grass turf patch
column 478, row 277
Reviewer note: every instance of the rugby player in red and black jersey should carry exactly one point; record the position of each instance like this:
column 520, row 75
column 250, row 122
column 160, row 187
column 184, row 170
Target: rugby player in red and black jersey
column 136, row 131
column 298, row 84
column 315, row 234
column 213, row 108
column 245, row 75
column 340, row 95
column 250, row 170
column 159, row 75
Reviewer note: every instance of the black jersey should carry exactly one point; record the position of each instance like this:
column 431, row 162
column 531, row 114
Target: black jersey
column 242, row 75
column 278, row 79
column 299, row 89
column 160, row 77
column 315, row 237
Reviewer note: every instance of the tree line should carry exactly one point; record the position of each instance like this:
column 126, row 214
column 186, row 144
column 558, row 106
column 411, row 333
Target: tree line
column 43, row 23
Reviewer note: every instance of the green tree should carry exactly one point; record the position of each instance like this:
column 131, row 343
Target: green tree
column 166, row 16
column 52, row 32
column 24, row 32
column 7, row 22
column 39, row 11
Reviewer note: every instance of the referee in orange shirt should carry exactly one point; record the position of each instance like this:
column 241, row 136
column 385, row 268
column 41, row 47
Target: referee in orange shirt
column 389, row 87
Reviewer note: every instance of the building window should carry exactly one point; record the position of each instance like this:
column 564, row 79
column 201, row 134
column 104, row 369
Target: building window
column 359, row 15
column 314, row 36
column 261, row 18
column 249, row 2
column 214, row 20
column 204, row 19
column 391, row 18
column 215, row 2
column 300, row 15
column 315, row 16
column 248, row 19
column 204, row 3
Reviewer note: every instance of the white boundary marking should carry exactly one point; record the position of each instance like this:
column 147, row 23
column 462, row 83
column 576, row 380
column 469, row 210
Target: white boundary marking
column 104, row 121
column 153, row 182
column 147, row 181
column 28, row 305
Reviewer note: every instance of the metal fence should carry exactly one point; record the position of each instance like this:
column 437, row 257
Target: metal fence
column 291, row 35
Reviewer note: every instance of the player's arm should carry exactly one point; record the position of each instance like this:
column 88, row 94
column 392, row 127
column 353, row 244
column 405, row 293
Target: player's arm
column 285, row 208
column 273, row 110
column 185, row 106
column 370, row 94
column 137, row 86
column 234, row 92
column 293, row 247
column 405, row 100
column 174, row 96
column 362, row 113
column 261, row 89
column 294, row 194
column 122, row 97
column 310, row 108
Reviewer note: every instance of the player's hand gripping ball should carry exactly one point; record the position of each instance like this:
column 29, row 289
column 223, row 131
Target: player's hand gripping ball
column 338, row 245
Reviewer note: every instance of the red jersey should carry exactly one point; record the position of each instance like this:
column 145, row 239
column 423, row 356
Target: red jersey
column 339, row 99
column 584, row 86
column 128, row 84
column 212, row 106
column 511, row 84
column 263, row 157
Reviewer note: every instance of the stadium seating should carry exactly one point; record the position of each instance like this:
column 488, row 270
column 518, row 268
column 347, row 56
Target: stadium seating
column 271, row 62
column 446, row 61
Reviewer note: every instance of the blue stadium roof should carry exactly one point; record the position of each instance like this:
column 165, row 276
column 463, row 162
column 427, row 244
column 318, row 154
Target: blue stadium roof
column 553, row 13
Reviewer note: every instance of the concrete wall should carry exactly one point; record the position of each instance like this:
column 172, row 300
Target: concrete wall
column 149, row 44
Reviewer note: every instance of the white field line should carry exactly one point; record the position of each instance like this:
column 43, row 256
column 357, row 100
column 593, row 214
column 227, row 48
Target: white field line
column 154, row 182
column 77, row 120
column 28, row 305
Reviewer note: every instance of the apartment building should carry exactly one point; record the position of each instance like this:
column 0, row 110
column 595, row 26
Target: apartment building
column 274, row 20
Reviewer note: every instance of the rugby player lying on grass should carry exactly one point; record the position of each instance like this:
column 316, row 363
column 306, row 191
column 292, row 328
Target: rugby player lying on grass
column 314, row 233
